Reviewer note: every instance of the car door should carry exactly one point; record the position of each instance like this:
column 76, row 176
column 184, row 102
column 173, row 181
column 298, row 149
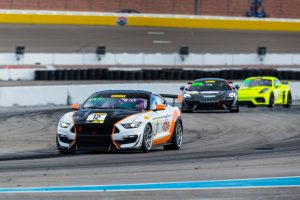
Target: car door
column 278, row 91
column 160, row 122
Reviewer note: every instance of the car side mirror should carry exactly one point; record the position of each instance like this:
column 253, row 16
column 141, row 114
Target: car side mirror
column 237, row 87
column 182, row 88
column 75, row 106
column 160, row 107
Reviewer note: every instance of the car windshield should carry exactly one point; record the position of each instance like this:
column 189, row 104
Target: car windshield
column 257, row 82
column 116, row 102
column 209, row 85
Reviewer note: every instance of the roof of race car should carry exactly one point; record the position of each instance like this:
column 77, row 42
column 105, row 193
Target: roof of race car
column 140, row 93
column 208, row 79
column 260, row 77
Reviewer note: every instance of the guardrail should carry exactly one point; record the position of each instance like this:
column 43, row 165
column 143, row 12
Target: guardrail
column 160, row 74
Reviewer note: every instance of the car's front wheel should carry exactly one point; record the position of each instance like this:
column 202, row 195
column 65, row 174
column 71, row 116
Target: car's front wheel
column 64, row 149
column 185, row 110
column 177, row 137
column 235, row 110
column 147, row 139
column 271, row 100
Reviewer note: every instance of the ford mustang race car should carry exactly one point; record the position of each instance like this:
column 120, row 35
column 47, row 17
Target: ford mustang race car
column 119, row 120
column 264, row 91
column 209, row 93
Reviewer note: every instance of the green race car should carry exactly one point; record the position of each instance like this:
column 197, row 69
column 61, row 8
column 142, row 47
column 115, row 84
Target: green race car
column 264, row 91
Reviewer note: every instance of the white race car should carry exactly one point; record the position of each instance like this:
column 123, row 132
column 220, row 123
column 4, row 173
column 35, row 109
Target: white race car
column 119, row 120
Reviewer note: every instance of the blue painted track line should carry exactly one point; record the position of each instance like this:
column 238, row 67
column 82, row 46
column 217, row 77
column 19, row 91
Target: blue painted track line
column 217, row 184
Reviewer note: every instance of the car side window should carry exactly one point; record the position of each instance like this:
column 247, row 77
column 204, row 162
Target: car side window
column 276, row 83
column 155, row 100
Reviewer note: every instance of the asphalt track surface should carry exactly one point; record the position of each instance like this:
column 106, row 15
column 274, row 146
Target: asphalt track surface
column 255, row 143
column 71, row 39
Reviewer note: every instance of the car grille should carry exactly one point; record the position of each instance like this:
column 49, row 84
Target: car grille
column 93, row 137
column 260, row 100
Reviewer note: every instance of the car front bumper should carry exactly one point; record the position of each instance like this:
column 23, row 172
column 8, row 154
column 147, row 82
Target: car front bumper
column 257, row 100
column 194, row 104
column 93, row 139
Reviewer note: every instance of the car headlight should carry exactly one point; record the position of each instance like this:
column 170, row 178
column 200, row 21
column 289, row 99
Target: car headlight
column 132, row 125
column 263, row 91
column 186, row 96
column 232, row 95
column 64, row 124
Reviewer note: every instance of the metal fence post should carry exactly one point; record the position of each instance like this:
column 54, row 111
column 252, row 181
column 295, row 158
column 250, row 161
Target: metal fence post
column 196, row 7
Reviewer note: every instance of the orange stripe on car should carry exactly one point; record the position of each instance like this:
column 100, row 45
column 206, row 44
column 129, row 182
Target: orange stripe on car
column 75, row 132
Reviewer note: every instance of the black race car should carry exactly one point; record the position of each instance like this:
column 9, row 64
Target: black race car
column 209, row 94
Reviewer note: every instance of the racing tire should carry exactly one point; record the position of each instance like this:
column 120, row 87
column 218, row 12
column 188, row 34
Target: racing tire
column 185, row 110
column 147, row 139
column 63, row 149
column 271, row 101
column 177, row 136
column 289, row 101
column 234, row 110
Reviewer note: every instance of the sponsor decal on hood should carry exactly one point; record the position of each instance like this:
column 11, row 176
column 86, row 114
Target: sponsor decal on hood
column 102, row 116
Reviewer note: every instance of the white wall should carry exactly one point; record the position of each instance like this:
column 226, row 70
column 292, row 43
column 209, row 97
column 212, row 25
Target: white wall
column 58, row 95
column 148, row 59
column 17, row 74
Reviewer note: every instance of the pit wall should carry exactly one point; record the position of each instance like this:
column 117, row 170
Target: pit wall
column 67, row 94
column 275, row 8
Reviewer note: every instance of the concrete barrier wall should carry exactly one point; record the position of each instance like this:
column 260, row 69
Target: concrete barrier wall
column 67, row 94
column 17, row 74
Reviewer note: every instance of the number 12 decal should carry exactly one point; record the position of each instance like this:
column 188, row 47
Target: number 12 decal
column 96, row 118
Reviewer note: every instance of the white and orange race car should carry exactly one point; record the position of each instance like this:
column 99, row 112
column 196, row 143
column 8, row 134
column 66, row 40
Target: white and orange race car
column 119, row 120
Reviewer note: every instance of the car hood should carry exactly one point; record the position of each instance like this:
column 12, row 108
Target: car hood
column 251, row 90
column 109, row 116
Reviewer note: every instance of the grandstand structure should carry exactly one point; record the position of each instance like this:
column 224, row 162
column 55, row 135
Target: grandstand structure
column 59, row 39
column 275, row 8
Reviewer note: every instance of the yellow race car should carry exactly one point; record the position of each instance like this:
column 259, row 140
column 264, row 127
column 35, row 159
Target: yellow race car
column 264, row 91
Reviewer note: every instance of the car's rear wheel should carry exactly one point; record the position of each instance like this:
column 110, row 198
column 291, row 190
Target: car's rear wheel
column 64, row 149
column 289, row 101
column 147, row 139
column 177, row 137
column 271, row 100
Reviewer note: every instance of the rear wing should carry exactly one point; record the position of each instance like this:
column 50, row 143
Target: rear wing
column 170, row 96
column 286, row 83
